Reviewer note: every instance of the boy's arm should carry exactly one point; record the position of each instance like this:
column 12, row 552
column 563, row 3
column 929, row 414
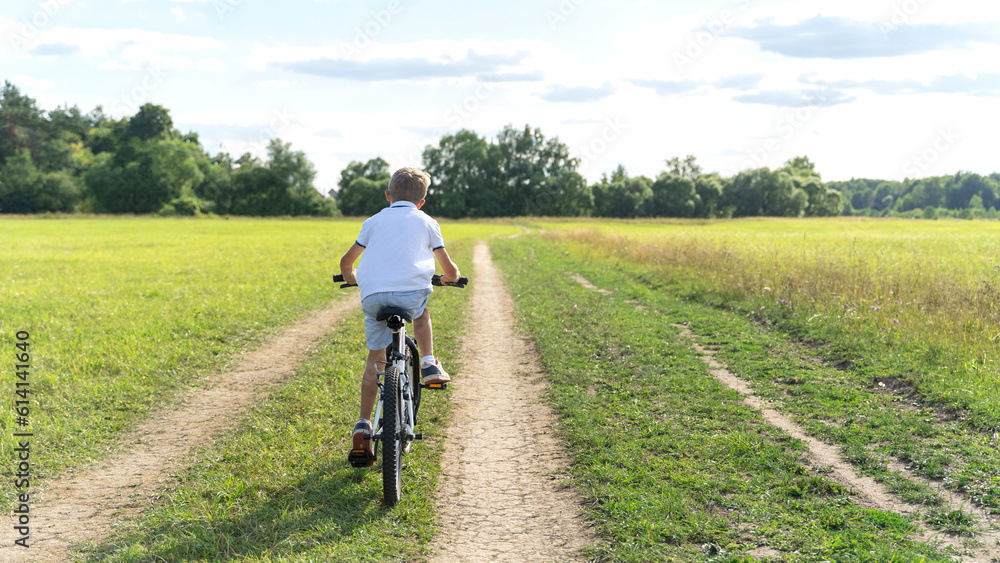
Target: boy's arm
column 347, row 263
column 451, row 273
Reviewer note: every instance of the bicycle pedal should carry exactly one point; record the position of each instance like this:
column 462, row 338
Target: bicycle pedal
column 435, row 386
column 360, row 458
column 419, row 436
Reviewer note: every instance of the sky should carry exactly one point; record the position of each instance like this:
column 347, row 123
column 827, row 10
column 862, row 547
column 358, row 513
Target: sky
column 887, row 89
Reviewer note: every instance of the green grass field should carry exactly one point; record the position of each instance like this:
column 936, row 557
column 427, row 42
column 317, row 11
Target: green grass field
column 922, row 296
column 126, row 315
column 674, row 466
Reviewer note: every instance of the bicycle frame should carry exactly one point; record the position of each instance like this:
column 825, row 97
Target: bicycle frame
column 397, row 353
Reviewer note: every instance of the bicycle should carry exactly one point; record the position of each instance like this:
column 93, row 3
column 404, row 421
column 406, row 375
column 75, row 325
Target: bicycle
column 398, row 403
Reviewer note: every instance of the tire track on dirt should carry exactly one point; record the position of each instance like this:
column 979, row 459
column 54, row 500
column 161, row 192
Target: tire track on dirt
column 871, row 493
column 499, row 499
column 83, row 507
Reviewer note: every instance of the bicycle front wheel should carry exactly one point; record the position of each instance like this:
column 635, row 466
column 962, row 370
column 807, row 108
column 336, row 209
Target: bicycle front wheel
column 392, row 438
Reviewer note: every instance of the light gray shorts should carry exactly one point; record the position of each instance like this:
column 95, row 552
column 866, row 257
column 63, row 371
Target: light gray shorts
column 377, row 332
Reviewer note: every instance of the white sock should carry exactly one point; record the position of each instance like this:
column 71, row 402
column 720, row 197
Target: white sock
column 427, row 360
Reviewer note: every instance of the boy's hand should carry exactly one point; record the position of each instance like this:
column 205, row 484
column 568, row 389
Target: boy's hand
column 445, row 278
column 349, row 276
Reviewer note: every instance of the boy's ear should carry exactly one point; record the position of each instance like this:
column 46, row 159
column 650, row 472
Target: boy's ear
column 387, row 198
column 420, row 203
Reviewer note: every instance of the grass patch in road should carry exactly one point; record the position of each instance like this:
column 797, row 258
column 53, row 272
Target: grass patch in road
column 672, row 464
column 278, row 488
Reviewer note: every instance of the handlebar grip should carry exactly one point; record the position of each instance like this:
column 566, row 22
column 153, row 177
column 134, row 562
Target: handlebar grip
column 340, row 278
column 436, row 280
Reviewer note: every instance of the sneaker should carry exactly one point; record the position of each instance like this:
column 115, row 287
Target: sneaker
column 361, row 454
column 433, row 373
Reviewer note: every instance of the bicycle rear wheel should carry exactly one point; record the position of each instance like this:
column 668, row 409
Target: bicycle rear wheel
column 413, row 361
column 392, row 442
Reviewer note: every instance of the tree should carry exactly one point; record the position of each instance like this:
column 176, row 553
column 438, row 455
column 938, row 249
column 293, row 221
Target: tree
column 746, row 192
column 966, row 186
column 20, row 184
column 460, row 172
column 524, row 162
column 687, row 168
column 522, row 173
column 566, row 196
column 22, row 124
column 283, row 185
column 130, row 181
column 362, row 198
column 821, row 201
column 709, row 189
column 150, row 122
column 182, row 165
column 765, row 192
column 802, row 167
column 623, row 198
column 673, row 195
column 374, row 169
column 885, row 195
column 619, row 174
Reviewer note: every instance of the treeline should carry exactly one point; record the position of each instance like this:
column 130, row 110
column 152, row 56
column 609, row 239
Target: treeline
column 67, row 161
column 523, row 173
column 963, row 195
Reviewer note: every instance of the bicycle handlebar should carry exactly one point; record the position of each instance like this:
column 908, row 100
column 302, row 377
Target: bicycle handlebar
column 435, row 280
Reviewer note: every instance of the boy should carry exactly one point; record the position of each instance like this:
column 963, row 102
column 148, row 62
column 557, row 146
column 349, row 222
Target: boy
column 398, row 247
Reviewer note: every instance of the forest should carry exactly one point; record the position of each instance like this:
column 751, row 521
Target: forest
column 66, row 161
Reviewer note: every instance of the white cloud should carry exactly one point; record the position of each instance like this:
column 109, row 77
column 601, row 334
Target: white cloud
column 214, row 65
column 274, row 84
column 438, row 58
column 178, row 13
column 129, row 48
column 31, row 83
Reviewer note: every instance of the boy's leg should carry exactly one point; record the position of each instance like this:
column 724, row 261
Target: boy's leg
column 424, row 333
column 430, row 371
column 362, row 454
column 369, row 383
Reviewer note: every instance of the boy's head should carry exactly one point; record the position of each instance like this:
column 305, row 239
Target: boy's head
column 409, row 184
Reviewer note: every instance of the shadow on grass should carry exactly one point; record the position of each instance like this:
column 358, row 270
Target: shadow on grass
column 339, row 508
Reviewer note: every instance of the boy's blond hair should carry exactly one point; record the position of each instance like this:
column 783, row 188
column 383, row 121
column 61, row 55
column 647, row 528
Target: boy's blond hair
column 409, row 184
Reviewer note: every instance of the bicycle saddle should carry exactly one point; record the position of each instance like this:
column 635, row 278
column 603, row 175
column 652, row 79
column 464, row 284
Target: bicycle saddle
column 385, row 312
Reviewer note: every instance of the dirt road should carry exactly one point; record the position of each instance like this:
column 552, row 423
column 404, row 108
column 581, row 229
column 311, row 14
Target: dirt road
column 501, row 498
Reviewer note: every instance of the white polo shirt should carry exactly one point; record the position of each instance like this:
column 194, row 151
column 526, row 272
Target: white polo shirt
column 399, row 244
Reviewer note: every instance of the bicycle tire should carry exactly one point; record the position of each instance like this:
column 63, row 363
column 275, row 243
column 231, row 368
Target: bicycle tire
column 413, row 360
column 392, row 443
